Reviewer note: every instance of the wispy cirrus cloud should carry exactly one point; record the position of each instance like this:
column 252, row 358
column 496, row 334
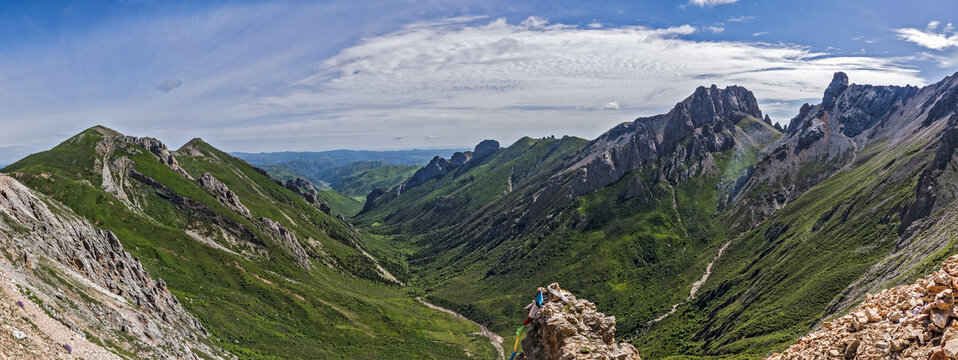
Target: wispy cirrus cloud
column 715, row 29
column 930, row 37
column 710, row 3
column 740, row 19
column 471, row 78
column 281, row 76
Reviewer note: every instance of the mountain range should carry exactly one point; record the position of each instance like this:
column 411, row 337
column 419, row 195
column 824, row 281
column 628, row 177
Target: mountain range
column 706, row 231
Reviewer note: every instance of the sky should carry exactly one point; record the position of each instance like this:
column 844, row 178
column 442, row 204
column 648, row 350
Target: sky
column 310, row 76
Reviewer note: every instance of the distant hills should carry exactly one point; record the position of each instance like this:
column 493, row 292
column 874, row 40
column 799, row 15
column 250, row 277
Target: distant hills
column 345, row 177
column 335, row 158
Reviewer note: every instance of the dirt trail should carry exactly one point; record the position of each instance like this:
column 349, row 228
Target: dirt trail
column 494, row 338
column 695, row 286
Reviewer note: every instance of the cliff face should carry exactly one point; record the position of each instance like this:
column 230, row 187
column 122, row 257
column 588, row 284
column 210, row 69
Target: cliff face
column 702, row 123
column 81, row 277
column 825, row 138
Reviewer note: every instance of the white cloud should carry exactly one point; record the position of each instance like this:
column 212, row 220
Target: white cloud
column 534, row 22
column 612, row 105
column 715, row 29
column 740, row 19
column 461, row 79
column 760, row 33
column 710, row 3
column 930, row 38
column 457, row 81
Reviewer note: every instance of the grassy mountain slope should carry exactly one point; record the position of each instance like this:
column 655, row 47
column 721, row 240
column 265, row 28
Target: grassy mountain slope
column 847, row 234
column 360, row 178
column 239, row 279
column 635, row 246
column 775, row 281
column 837, row 187
column 441, row 203
column 339, row 202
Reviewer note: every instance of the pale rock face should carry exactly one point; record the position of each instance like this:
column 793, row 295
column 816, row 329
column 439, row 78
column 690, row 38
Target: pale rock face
column 222, row 193
column 914, row 321
column 568, row 328
column 288, row 240
column 43, row 232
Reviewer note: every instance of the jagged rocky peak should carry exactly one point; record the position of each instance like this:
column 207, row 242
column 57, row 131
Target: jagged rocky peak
column 829, row 135
column 835, row 88
column 439, row 166
column 706, row 119
column 711, row 108
column 564, row 327
column 714, row 102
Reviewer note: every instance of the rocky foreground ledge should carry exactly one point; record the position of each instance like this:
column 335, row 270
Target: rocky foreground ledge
column 914, row 321
column 568, row 328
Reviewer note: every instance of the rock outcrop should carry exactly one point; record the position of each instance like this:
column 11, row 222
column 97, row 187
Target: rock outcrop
column 484, row 148
column 914, row 321
column 567, row 328
column 111, row 139
column 304, row 188
column 222, row 193
column 286, row 238
column 157, row 148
